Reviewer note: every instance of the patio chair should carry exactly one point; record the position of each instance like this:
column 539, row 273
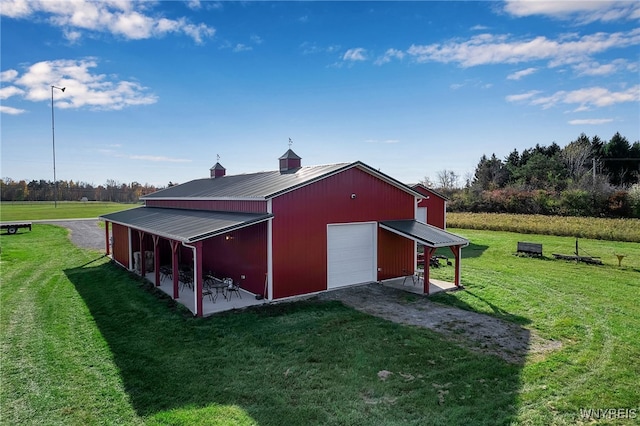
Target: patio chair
column 233, row 287
column 186, row 279
column 166, row 272
column 208, row 290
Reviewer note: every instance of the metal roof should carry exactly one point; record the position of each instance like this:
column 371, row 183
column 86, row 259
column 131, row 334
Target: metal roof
column 431, row 190
column 261, row 185
column 428, row 235
column 184, row 225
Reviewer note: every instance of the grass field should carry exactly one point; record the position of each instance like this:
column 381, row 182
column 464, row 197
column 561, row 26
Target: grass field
column 85, row 342
column 13, row 211
column 579, row 227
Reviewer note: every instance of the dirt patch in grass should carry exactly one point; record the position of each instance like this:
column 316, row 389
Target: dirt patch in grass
column 474, row 331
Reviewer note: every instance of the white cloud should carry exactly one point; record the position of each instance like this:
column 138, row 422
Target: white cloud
column 9, row 91
column 242, row 48
column 389, row 55
column 126, row 18
column 581, row 12
column 198, row 32
column 10, row 110
column 15, row 8
column 479, row 28
column 522, row 96
column 312, row 48
column 484, row 49
column 597, row 69
column 8, row 76
column 522, row 73
column 585, row 99
column 72, row 36
column 593, row 121
column 83, row 87
column 356, row 54
column 194, row 4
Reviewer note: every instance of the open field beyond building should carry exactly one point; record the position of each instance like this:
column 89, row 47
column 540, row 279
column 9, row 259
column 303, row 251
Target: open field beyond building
column 47, row 210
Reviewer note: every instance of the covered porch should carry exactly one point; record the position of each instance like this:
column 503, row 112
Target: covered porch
column 177, row 249
column 211, row 304
column 431, row 238
column 416, row 283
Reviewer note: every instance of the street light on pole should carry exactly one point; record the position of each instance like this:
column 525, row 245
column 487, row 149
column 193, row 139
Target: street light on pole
column 53, row 139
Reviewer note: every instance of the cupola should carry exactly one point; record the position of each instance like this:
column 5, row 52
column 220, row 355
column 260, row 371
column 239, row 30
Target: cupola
column 217, row 171
column 289, row 161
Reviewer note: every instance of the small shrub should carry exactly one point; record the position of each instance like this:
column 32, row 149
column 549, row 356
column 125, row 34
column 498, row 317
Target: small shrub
column 576, row 202
column 618, row 204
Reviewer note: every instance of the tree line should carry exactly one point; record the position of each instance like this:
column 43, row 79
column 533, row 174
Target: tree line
column 587, row 177
column 45, row 190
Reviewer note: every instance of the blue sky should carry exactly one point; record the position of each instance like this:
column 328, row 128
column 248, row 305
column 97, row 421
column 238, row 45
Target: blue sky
column 155, row 91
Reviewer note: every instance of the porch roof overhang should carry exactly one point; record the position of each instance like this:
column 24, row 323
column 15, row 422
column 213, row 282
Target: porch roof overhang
column 183, row 225
column 422, row 233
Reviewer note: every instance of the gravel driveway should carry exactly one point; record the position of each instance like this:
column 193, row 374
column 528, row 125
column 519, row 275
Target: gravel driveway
column 472, row 330
column 85, row 233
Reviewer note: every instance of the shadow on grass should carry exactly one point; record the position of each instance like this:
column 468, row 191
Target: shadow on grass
column 473, row 250
column 312, row 362
column 496, row 311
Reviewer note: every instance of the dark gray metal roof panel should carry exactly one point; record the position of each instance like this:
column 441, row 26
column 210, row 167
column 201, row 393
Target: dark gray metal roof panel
column 259, row 186
column 262, row 185
column 184, row 225
column 428, row 235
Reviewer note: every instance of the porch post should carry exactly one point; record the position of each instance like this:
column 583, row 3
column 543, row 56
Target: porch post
column 427, row 267
column 456, row 253
column 106, row 237
column 174, row 267
column 143, row 265
column 156, row 260
column 197, row 278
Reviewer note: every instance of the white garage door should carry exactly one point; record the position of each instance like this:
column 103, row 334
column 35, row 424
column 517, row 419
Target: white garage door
column 351, row 252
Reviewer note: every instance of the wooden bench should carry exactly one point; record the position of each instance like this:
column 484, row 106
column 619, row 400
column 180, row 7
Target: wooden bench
column 531, row 249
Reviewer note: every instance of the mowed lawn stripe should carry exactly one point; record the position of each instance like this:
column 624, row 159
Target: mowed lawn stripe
column 54, row 358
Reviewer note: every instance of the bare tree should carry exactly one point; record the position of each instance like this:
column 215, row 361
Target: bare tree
column 575, row 157
column 427, row 182
column 447, row 180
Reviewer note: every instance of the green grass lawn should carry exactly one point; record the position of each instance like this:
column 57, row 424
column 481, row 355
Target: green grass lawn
column 85, row 342
column 15, row 211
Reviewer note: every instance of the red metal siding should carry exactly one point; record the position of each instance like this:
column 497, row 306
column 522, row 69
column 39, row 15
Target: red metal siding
column 436, row 207
column 300, row 226
column 395, row 255
column 120, row 248
column 243, row 253
column 215, row 205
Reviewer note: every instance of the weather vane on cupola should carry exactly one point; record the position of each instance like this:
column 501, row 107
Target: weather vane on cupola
column 290, row 143
column 218, row 158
